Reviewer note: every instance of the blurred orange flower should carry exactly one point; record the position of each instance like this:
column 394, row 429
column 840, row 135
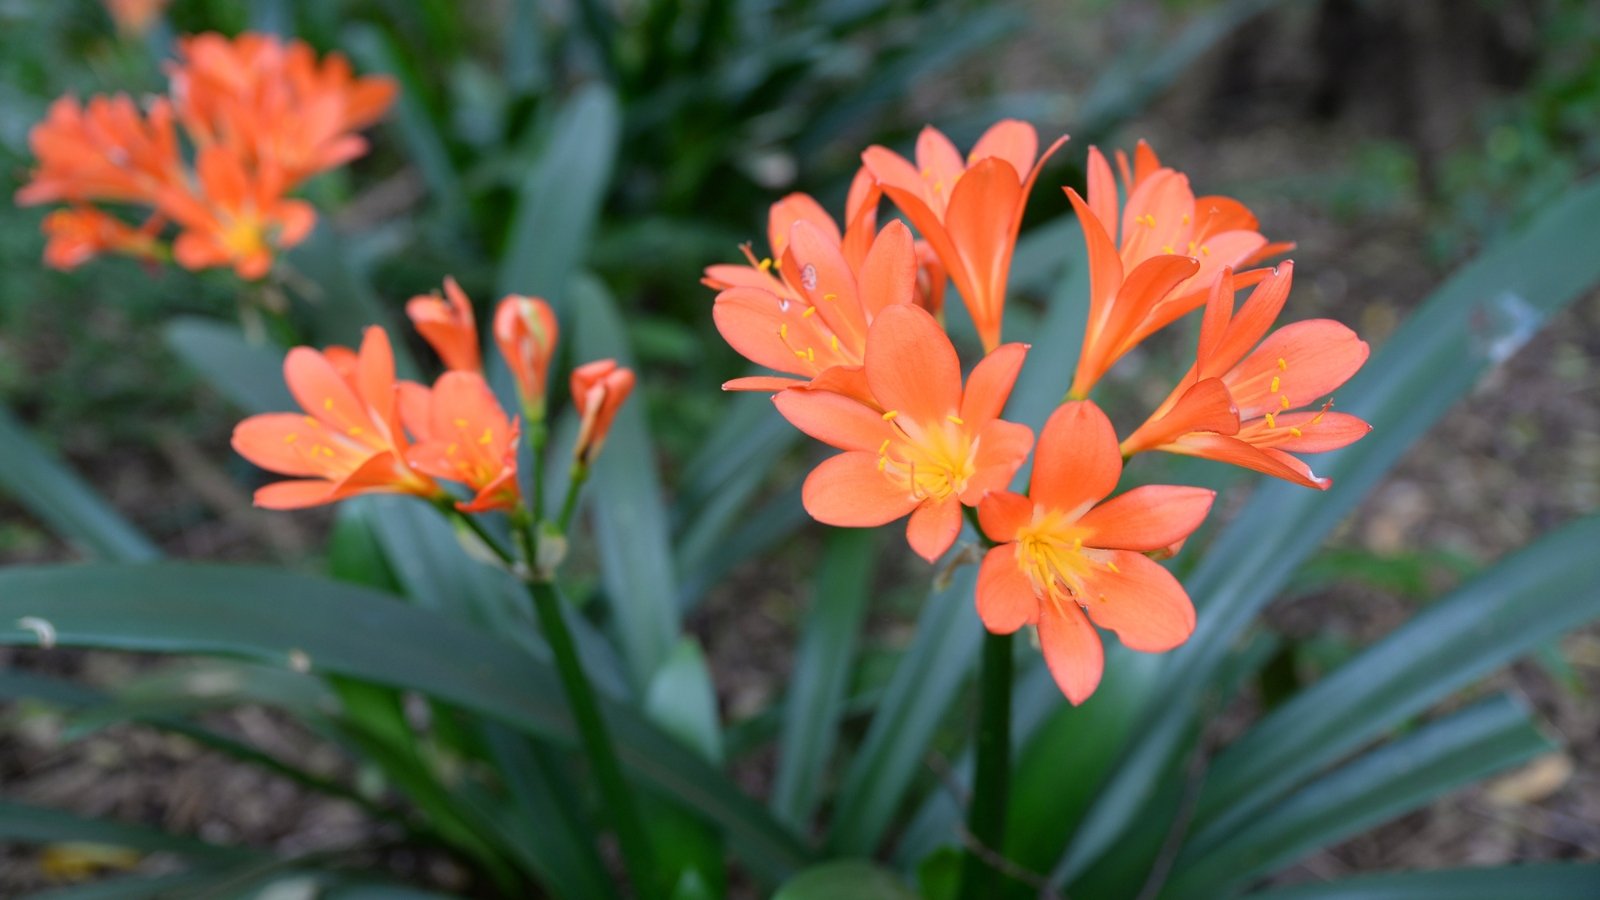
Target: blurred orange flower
column 1066, row 551
column 1236, row 405
column 463, row 435
column 526, row 331
column 969, row 210
column 348, row 441
column 448, row 326
column 135, row 17
column 262, row 117
column 924, row 446
column 1172, row 247
column 598, row 391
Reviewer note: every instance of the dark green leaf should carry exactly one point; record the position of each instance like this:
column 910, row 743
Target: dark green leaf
column 1550, row 880
column 250, row 375
column 848, row 879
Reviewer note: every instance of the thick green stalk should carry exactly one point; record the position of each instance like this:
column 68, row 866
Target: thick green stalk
column 991, row 785
column 597, row 746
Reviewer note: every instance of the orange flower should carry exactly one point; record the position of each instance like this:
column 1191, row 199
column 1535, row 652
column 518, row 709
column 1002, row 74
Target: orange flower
column 818, row 330
column 1172, row 248
column 925, row 446
column 448, row 327
column 81, row 233
column 1236, row 404
column 525, row 329
column 1063, row 553
column 273, row 103
column 348, row 441
column 598, row 391
column 135, row 16
column 463, row 435
column 262, row 116
column 235, row 219
column 969, row 210
column 860, row 212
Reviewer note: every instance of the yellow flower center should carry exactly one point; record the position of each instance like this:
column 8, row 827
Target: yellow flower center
column 1051, row 553
column 932, row 462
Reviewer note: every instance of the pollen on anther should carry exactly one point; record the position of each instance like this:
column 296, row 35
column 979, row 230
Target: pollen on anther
column 1276, row 383
column 810, row 311
column 1283, row 364
column 327, row 403
column 1272, row 421
column 834, row 343
column 1283, row 400
column 291, row 437
column 1167, row 249
column 765, row 265
column 883, row 448
column 890, row 414
column 1297, row 432
column 830, row 296
column 783, row 331
column 1113, row 567
column 956, row 419
column 1204, row 250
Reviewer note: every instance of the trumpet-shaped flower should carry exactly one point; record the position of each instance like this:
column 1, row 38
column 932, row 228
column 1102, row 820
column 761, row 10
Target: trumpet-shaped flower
column 968, row 209
column 768, row 273
column 463, row 435
column 105, row 150
column 1244, row 406
column 447, row 324
column 1172, row 247
column 598, row 391
column 525, row 330
column 925, row 446
column 349, row 439
column 235, row 220
column 818, row 330
column 1065, row 559
column 79, row 234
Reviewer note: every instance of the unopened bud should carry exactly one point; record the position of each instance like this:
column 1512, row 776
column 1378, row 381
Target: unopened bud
column 525, row 330
column 598, row 390
column 446, row 324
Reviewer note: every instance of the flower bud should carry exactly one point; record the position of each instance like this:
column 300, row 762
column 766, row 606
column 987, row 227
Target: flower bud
column 598, row 390
column 446, row 324
column 526, row 331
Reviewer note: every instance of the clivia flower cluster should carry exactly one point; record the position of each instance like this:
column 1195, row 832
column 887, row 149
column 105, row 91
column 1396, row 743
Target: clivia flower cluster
column 362, row 431
column 261, row 116
column 851, row 319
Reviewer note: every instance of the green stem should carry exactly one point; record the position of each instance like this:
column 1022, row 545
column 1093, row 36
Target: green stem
column 448, row 507
column 537, row 437
column 991, row 785
column 569, row 506
column 597, row 745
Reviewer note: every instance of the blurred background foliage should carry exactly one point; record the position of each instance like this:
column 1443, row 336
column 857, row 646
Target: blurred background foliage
column 1392, row 140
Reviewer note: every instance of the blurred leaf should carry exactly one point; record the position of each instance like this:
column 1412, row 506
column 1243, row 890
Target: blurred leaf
column 560, row 199
column 273, row 617
column 1387, row 782
column 1407, row 574
column 339, row 297
column 925, row 682
column 43, row 485
column 683, row 701
column 847, row 879
column 631, row 532
column 24, row 824
column 821, row 672
column 1511, row 610
column 1474, row 322
column 1535, row 880
column 250, row 375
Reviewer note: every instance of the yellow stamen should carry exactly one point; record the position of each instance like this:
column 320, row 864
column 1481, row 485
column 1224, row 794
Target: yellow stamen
column 890, row 414
column 1297, row 432
column 461, row 423
column 1283, row 364
column 783, row 332
column 1204, row 250
column 1272, row 421
column 355, row 431
column 1113, row 567
column 1167, row 249
column 810, row 311
column 488, row 436
column 830, row 296
column 290, row 438
column 834, row 342
column 1185, row 218
column 765, row 265
column 883, row 448
column 1276, row 383
column 1283, row 400
column 327, row 403
column 883, row 462
column 956, row 419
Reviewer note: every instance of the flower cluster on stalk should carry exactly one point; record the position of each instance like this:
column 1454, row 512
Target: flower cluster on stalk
column 362, row 431
column 851, row 320
column 258, row 116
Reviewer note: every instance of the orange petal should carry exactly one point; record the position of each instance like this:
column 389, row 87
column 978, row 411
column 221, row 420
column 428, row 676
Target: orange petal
column 1206, row 406
column 938, row 161
column 797, row 207
column 414, row 401
column 1321, row 431
column 1250, row 324
column 818, row 269
column 889, row 272
column 770, row 383
column 1012, row 140
column 989, row 385
column 911, row 366
column 1002, row 447
column 375, row 376
column 1105, row 278
column 1001, row 513
column 1078, row 463
column 295, row 494
column 834, row 419
column 849, row 490
column 1006, row 600
column 279, row 442
column 1261, row 459
column 979, row 220
column 1102, row 186
column 1072, row 650
column 933, row 527
column 1303, row 362
column 749, row 319
column 1147, row 518
column 1140, row 601
column 320, row 391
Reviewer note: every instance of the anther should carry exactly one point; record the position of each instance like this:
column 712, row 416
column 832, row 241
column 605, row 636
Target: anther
column 812, row 310
column 1167, row 249
column 1283, row 400
column 1272, row 421
column 956, row 419
column 1297, row 432
column 890, row 414
column 1283, row 364
column 765, row 265
column 1276, row 383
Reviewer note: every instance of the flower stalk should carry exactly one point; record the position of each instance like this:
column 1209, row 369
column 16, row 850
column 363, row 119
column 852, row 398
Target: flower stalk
column 991, row 784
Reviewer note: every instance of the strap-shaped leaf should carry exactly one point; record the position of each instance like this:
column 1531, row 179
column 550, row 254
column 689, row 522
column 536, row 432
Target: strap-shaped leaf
column 249, row 375
column 631, row 530
column 24, row 824
column 41, row 483
column 1474, row 322
column 815, row 700
column 845, row 879
column 1513, row 609
column 560, row 201
column 1391, row 780
column 1496, row 883
column 283, row 618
